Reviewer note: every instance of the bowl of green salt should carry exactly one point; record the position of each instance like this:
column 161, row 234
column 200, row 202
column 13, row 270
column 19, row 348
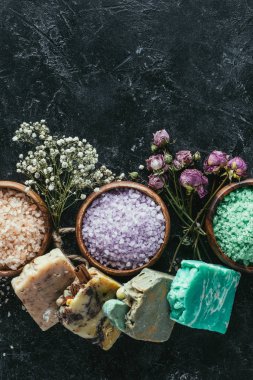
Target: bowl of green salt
column 229, row 225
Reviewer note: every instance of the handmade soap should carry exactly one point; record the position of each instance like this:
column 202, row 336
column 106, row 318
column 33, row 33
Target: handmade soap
column 232, row 225
column 80, row 309
column 41, row 283
column 148, row 315
column 202, row 295
column 116, row 311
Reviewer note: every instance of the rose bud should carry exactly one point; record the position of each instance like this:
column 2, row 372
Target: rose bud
column 216, row 161
column 153, row 148
column 168, row 158
column 237, row 168
column 155, row 162
column 161, row 138
column 183, row 159
column 194, row 180
column 134, row 175
column 196, row 156
column 156, row 182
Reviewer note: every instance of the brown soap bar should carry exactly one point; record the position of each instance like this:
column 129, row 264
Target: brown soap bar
column 41, row 283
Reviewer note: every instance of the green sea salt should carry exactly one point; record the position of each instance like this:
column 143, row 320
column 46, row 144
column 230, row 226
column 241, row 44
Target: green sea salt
column 233, row 225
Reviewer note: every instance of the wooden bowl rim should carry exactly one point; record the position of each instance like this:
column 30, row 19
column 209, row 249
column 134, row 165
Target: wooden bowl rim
column 20, row 187
column 89, row 201
column 209, row 225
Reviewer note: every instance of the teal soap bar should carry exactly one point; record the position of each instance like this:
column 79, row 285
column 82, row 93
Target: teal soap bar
column 115, row 311
column 202, row 295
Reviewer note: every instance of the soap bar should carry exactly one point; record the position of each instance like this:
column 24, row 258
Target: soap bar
column 116, row 311
column 202, row 295
column 148, row 315
column 80, row 309
column 40, row 284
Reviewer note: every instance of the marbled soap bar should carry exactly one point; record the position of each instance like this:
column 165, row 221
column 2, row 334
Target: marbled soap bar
column 41, row 283
column 80, row 309
column 202, row 295
column 147, row 316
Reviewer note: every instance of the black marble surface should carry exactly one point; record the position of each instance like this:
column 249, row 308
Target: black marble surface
column 114, row 72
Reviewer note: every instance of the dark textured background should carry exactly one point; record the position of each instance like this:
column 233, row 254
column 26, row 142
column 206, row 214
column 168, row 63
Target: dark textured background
column 114, row 72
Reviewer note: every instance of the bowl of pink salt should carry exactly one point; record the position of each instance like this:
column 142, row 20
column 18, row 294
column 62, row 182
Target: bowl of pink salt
column 25, row 227
column 123, row 228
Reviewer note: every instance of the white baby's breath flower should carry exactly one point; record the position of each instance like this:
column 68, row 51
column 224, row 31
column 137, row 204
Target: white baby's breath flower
column 71, row 161
column 96, row 190
column 141, row 167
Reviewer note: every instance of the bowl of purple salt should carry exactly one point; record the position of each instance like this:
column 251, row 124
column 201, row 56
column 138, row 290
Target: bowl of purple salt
column 123, row 228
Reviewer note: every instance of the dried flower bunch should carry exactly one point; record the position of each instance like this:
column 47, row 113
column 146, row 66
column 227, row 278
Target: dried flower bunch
column 62, row 169
column 180, row 176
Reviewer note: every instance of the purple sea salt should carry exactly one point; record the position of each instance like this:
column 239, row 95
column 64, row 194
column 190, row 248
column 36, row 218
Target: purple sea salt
column 123, row 229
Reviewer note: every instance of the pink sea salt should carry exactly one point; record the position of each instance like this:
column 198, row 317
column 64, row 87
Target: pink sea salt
column 22, row 229
column 123, row 229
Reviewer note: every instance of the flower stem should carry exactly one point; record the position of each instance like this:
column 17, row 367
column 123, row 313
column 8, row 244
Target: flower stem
column 200, row 213
column 180, row 210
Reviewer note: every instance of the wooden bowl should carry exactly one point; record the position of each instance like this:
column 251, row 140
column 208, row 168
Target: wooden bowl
column 209, row 226
column 86, row 205
column 4, row 270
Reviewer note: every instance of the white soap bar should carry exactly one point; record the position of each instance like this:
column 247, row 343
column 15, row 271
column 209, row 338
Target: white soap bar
column 41, row 283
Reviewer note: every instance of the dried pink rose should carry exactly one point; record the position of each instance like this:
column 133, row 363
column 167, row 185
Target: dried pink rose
column 161, row 138
column 155, row 162
column 183, row 158
column 237, row 168
column 156, row 182
column 216, row 161
column 194, row 180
